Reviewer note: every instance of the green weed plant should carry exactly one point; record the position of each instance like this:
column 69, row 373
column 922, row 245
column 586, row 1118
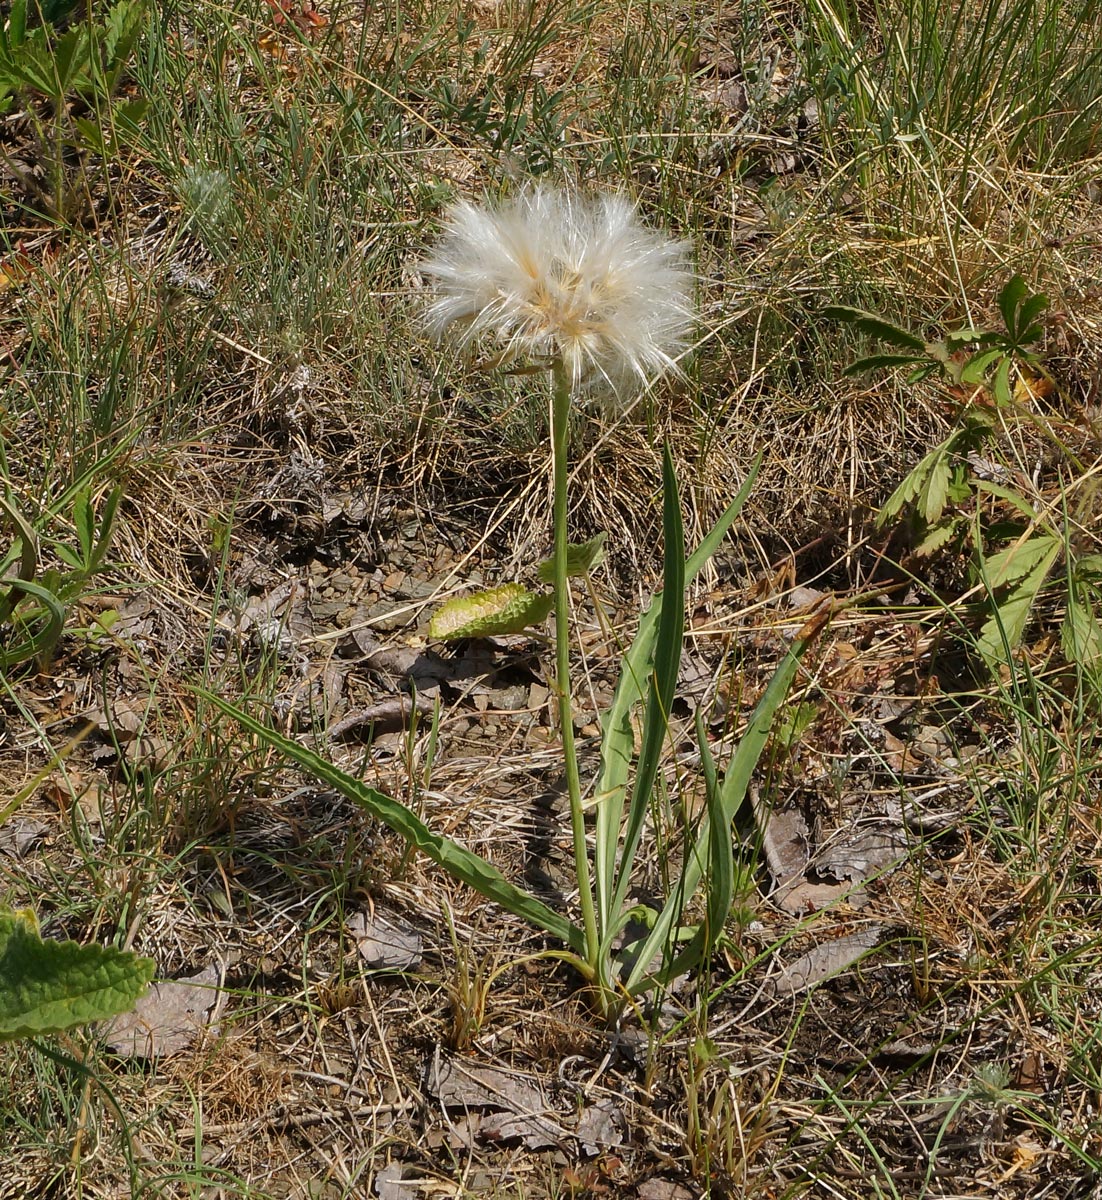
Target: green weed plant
column 67, row 85
column 953, row 501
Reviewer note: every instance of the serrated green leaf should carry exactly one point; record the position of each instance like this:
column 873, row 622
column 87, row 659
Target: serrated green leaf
column 582, row 558
column 874, row 362
column 1089, row 566
column 938, row 536
column 875, row 326
column 969, row 336
column 510, row 608
column 48, row 986
column 935, row 489
column 1007, row 494
column 1002, row 631
column 933, row 468
column 1081, row 633
column 975, row 369
column 1019, row 559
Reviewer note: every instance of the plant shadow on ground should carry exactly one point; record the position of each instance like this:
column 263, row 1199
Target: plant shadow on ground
column 904, row 1006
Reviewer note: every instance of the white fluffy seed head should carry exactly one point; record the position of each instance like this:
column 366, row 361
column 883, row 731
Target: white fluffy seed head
column 553, row 275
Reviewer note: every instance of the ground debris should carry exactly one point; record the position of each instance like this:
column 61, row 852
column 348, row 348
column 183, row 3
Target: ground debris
column 825, row 961
column 169, row 1018
column 517, row 1107
column 385, row 942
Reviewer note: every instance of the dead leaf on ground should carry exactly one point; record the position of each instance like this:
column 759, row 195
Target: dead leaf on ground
column 803, row 896
column 123, row 720
column 601, row 1126
column 785, row 841
column 398, row 1181
column 517, row 1101
column 662, row 1189
column 168, row 1018
column 387, row 716
column 19, row 837
column 826, row 961
column 860, row 853
column 385, row 943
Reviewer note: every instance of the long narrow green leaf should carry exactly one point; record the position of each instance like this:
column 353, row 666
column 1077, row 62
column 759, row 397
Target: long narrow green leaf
column 618, row 742
column 721, row 847
column 875, row 362
column 28, row 554
column 875, row 326
column 38, row 644
column 663, row 682
column 735, row 783
column 459, row 862
column 1011, row 296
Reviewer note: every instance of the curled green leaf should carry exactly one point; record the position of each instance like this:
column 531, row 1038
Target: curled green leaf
column 582, row 558
column 510, row 608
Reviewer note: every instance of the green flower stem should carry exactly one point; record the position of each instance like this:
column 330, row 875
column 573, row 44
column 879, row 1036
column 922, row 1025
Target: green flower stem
column 560, row 428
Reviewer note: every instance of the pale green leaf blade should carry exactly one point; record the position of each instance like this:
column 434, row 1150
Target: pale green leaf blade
column 496, row 612
column 49, row 986
column 1019, row 559
column 1001, row 633
column 934, row 492
column 736, row 781
column 663, row 682
column 582, row 559
column 1081, row 633
column 617, row 739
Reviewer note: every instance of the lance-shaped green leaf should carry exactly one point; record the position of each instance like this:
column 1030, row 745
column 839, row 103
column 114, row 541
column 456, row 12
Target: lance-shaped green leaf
column 617, row 739
column 875, row 327
column 510, row 608
column 663, row 680
column 459, row 862
column 731, row 794
column 49, row 986
column 1014, row 578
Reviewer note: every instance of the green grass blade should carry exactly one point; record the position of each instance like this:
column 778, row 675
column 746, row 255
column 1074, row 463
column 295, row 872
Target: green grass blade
column 731, row 795
column 460, row 863
column 617, row 742
column 663, row 681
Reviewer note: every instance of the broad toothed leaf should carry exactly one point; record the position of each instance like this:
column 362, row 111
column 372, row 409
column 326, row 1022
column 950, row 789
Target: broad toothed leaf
column 510, row 608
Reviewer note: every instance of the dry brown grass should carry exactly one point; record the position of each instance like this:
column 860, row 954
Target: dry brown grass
column 275, row 432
